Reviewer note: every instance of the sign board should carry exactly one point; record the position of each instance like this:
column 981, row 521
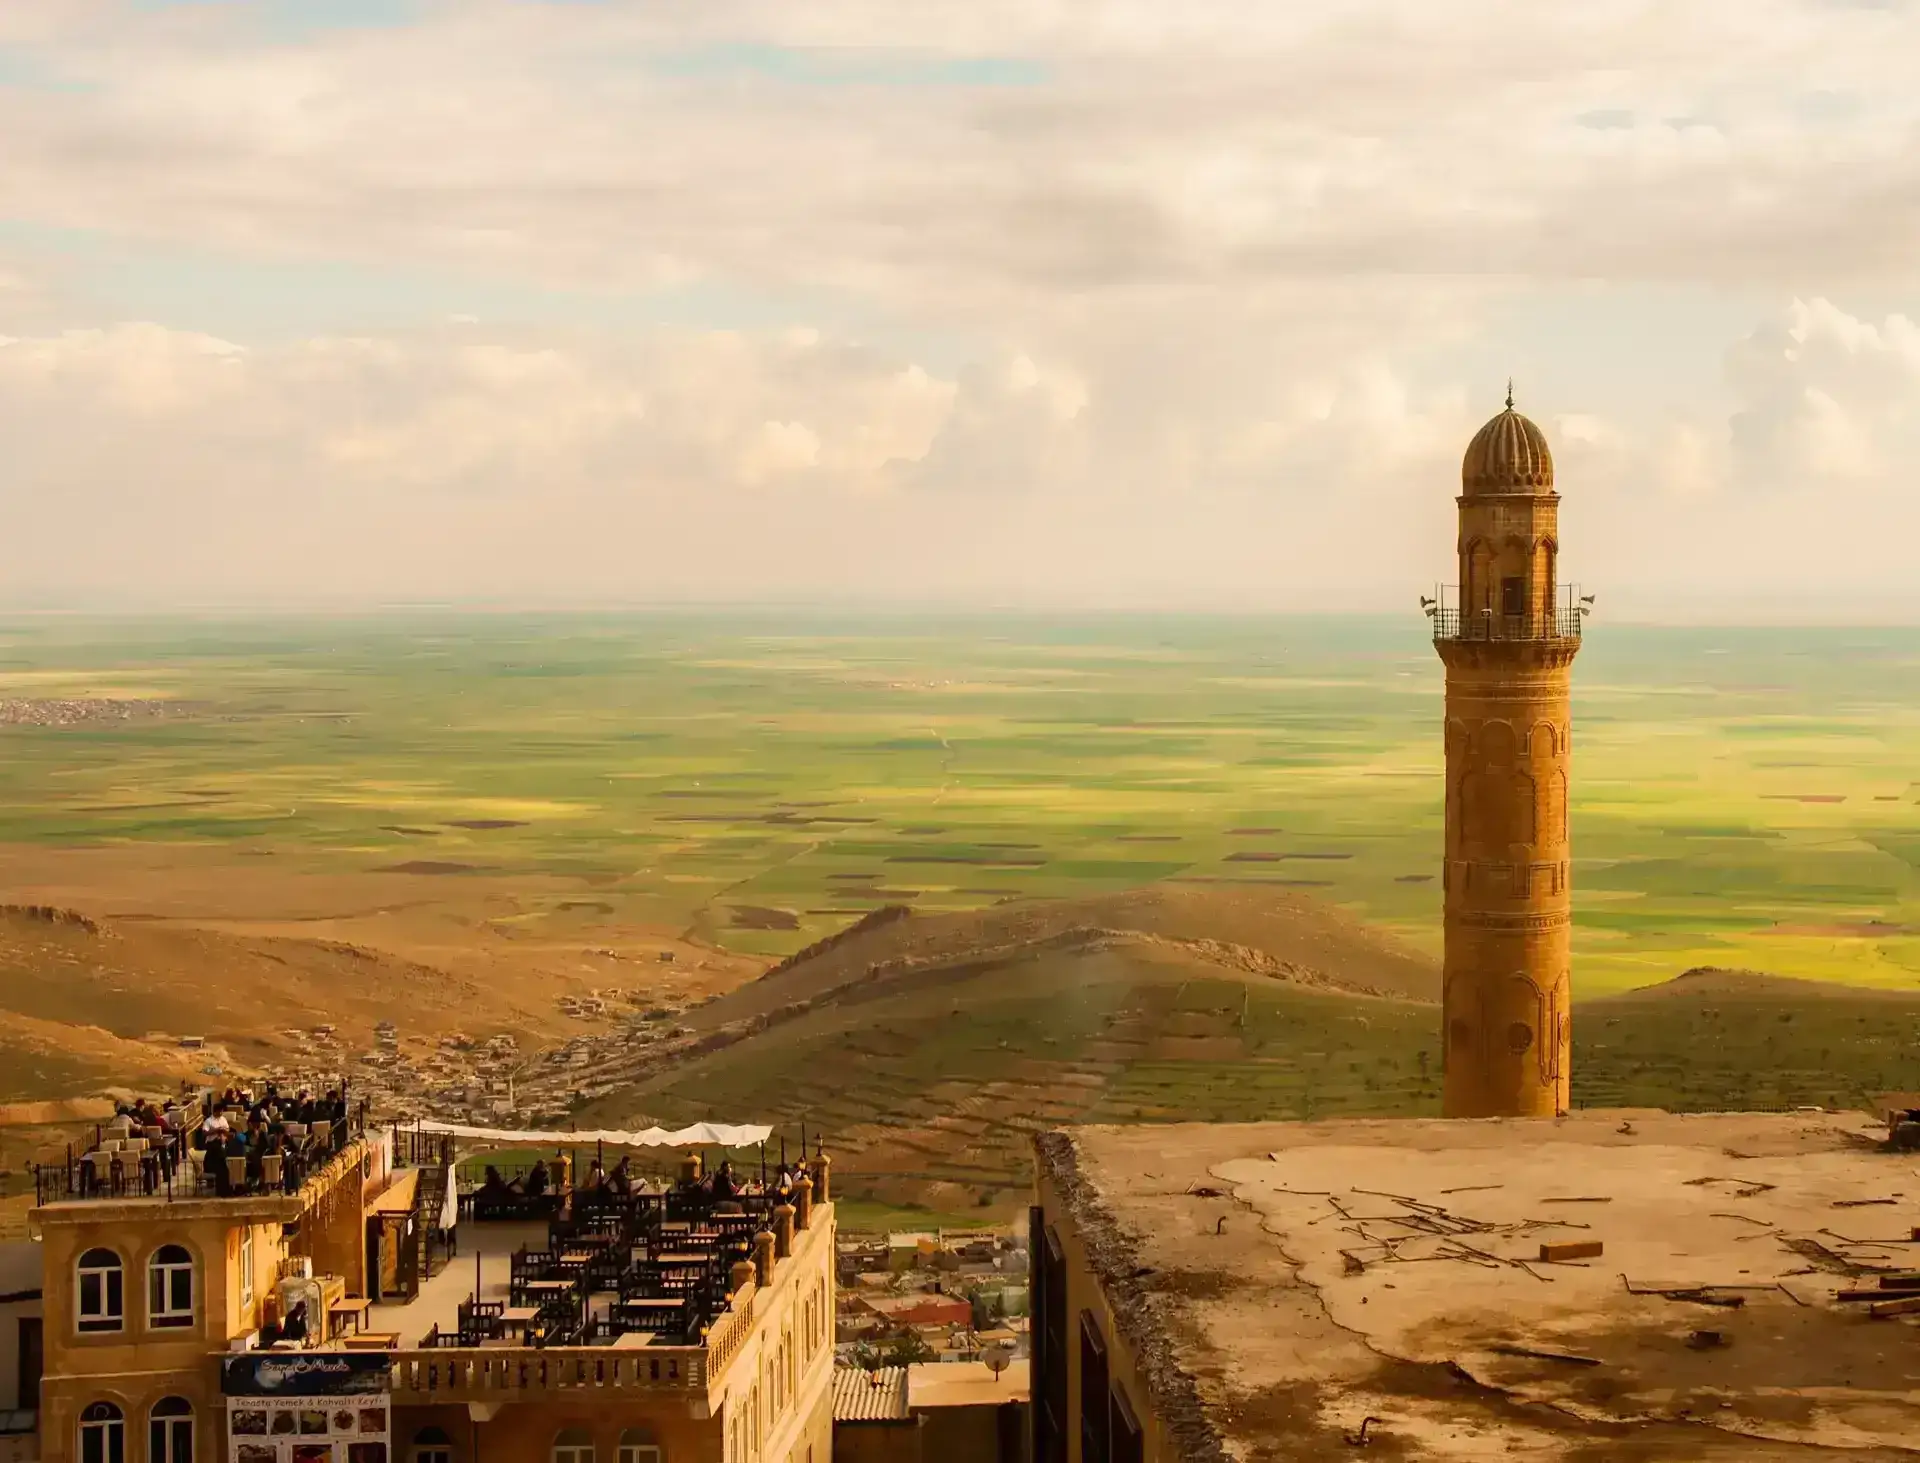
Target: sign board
column 343, row 1429
column 307, row 1406
column 306, row 1374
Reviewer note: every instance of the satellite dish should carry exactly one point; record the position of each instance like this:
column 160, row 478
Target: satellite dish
column 998, row 1359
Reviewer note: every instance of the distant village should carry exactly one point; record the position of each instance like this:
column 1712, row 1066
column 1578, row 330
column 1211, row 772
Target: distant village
column 947, row 1295
column 492, row 1083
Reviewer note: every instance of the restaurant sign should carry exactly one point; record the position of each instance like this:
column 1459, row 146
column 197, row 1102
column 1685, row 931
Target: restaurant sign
column 306, row 1374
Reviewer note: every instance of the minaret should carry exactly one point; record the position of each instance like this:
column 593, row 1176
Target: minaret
column 1508, row 642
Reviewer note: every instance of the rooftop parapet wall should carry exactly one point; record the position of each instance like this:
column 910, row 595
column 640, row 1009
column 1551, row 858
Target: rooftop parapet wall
column 1280, row 1283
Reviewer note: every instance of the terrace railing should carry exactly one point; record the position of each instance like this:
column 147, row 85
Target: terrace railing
column 1453, row 622
column 515, row 1374
column 1484, row 625
column 182, row 1174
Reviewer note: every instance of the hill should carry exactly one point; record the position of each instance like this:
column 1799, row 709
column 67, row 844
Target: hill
column 1715, row 1038
column 98, row 1003
column 933, row 1047
column 930, row 1065
column 1267, row 933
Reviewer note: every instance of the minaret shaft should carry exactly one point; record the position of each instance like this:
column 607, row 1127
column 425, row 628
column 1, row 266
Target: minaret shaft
column 1508, row 890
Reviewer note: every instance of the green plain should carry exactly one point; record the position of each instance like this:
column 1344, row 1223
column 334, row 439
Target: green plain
column 705, row 771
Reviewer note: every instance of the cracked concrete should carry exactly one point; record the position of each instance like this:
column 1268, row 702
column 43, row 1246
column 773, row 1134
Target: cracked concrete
column 1391, row 1269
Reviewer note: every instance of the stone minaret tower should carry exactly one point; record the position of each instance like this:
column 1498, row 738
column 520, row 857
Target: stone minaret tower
column 1508, row 643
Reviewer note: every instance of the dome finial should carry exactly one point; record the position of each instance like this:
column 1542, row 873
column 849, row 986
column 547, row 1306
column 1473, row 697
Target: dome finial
column 1509, row 393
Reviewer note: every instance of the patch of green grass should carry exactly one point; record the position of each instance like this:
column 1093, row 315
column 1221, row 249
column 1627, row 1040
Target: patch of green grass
column 668, row 760
column 867, row 1216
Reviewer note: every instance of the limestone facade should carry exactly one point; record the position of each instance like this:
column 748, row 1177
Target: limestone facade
column 1508, row 648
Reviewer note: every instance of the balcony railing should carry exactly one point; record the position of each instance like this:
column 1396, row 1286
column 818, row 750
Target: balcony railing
column 520, row 1375
column 1450, row 623
column 169, row 1168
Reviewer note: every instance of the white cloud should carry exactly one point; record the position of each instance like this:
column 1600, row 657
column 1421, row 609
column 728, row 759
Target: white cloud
column 1190, row 319
column 1168, row 145
column 1827, row 398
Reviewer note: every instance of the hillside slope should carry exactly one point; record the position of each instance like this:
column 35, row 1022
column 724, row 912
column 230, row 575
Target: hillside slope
column 933, row 1047
column 1259, row 933
column 95, row 1003
column 931, row 1076
column 932, row 1085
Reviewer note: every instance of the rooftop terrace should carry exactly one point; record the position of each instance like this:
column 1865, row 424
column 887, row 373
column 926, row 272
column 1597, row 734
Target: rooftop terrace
column 199, row 1147
column 1292, row 1280
column 654, row 1288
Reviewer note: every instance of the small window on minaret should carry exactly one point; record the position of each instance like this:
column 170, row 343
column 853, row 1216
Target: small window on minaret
column 1513, row 596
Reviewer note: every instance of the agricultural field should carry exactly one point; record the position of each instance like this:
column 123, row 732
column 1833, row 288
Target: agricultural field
column 748, row 784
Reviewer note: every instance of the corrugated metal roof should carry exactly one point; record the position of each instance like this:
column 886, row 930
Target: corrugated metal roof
column 860, row 1396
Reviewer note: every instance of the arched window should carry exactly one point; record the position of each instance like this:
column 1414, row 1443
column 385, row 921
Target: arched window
column 102, row 1305
column 431, row 1445
column 170, row 1431
column 637, row 1445
column 103, row 1434
column 170, row 1287
column 574, row 1445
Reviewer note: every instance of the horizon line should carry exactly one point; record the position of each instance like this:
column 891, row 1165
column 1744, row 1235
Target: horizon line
column 1838, row 618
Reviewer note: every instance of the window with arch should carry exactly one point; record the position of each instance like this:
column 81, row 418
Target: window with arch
column 573, row 1445
column 103, row 1434
column 431, row 1445
column 100, row 1295
column 170, row 1287
column 170, row 1431
column 637, row 1445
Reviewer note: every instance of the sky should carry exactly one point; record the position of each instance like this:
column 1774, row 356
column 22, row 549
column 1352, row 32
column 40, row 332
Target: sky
column 1064, row 304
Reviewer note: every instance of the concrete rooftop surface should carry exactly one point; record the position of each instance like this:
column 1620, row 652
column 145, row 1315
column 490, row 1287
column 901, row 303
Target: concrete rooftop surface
column 1283, row 1282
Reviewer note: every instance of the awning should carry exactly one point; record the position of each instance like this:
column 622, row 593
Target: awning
column 700, row 1135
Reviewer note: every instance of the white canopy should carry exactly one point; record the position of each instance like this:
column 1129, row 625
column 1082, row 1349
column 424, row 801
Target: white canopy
column 700, row 1135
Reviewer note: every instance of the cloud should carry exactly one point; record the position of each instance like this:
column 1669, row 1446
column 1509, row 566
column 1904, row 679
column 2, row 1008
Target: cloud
column 1827, row 398
column 1117, row 302
column 469, row 461
column 1157, row 146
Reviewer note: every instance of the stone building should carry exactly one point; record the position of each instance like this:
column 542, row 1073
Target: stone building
column 1743, row 1288
column 664, row 1326
column 1508, row 641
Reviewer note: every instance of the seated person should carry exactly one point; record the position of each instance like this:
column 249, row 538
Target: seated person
column 620, row 1181
column 537, row 1180
column 493, row 1186
column 294, row 1328
column 216, row 1167
column 725, row 1186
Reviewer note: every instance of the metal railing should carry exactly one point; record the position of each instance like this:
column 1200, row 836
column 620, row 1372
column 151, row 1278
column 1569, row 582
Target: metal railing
column 1484, row 625
column 179, row 1172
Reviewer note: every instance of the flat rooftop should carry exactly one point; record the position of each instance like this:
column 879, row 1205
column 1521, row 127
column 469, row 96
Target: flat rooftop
column 1280, row 1283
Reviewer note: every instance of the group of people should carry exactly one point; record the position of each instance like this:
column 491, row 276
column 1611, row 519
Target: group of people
column 263, row 1132
column 720, row 1185
column 621, row 1180
column 536, row 1183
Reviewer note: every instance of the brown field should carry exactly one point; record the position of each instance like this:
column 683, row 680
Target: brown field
column 238, row 951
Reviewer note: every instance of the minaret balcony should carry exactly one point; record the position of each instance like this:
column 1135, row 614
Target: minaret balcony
column 1453, row 624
